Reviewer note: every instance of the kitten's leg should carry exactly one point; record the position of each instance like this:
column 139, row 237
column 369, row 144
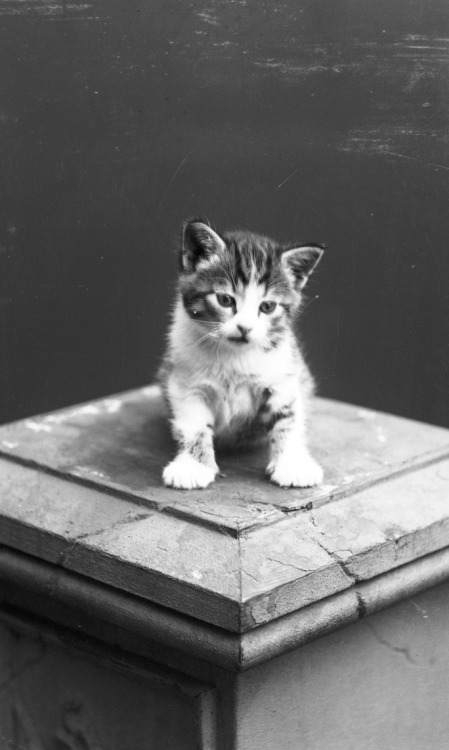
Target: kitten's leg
column 291, row 464
column 194, row 466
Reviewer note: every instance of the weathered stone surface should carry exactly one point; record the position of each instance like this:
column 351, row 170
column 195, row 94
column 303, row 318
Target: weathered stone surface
column 123, row 443
column 81, row 488
column 365, row 535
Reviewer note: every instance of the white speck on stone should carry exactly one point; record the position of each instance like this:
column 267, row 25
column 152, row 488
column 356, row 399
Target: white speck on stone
column 112, row 405
column 197, row 575
column 365, row 414
column 328, row 487
column 348, row 477
column 380, row 434
column 82, row 410
column 9, row 444
column 87, row 471
column 55, row 418
column 37, row 426
column 150, row 391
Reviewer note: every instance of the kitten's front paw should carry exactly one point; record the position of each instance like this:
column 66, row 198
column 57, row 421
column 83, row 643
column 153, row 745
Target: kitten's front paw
column 186, row 473
column 295, row 470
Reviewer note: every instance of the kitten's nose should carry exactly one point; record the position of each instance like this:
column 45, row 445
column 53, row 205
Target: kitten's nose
column 244, row 330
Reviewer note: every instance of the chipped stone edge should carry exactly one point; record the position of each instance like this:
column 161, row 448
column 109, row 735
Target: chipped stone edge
column 85, row 600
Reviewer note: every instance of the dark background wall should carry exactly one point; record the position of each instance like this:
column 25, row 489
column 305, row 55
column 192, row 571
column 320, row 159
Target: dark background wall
column 323, row 120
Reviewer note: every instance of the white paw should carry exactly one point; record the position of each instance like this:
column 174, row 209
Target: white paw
column 186, row 473
column 300, row 470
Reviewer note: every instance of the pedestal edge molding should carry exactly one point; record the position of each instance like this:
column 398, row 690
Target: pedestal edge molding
column 44, row 589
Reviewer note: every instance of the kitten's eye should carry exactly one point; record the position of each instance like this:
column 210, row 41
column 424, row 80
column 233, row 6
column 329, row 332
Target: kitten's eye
column 267, row 307
column 225, row 300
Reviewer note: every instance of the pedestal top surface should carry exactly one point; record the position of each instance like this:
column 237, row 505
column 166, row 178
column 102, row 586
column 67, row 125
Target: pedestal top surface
column 82, row 488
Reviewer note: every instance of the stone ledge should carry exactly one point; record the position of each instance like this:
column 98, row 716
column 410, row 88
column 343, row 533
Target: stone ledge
column 103, row 612
column 81, row 489
column 121, row 443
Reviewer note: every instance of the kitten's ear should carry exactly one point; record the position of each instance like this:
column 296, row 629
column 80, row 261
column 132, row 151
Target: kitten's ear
column 199, row 242
column 299, row 262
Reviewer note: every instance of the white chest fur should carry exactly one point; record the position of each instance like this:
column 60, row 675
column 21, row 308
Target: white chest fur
column 234, row 377
column 236, row 403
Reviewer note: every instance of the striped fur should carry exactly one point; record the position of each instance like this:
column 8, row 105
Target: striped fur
column 233, row 367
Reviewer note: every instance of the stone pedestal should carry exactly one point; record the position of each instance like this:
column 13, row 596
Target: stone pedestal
column 242, row 616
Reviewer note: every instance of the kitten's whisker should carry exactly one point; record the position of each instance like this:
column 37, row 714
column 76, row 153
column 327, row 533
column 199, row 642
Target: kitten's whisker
column 307, row 301
column 222, row 338
column 209, row 334
column 206, row 335
column 196, row 324
column 212, row 334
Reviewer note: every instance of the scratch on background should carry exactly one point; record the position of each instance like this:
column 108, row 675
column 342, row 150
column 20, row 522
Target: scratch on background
column 164, row 194
column 286, row 180
column 414, row 158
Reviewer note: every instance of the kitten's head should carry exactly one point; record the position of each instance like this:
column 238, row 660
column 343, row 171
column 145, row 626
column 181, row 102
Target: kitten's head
column 241, row 288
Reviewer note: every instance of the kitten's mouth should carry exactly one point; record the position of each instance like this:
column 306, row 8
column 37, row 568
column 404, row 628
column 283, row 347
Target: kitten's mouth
column 239, row 339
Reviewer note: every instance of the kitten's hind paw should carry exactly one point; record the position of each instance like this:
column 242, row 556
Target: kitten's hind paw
column 300, row 470
column 186, row 473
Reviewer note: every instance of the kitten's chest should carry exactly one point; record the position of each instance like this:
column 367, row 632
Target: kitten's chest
column 240, row 390
column 237, row 404
column 238, row 398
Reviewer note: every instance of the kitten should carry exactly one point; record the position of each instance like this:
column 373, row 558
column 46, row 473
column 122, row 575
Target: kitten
column 233, row 366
